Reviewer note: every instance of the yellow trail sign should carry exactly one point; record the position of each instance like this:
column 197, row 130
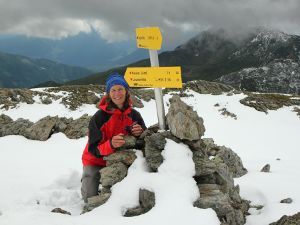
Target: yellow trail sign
column 155, row 77
column 148, row 37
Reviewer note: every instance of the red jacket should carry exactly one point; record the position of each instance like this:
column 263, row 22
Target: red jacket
column 102, row 127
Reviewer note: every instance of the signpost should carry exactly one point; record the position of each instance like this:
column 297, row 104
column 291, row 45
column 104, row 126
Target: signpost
column 148, row 37
column 154, row 76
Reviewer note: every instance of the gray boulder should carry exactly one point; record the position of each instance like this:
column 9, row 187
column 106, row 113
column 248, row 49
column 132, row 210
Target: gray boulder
column 155, row 144
column 183, row 122
column 95, row 202
column 147, row 202
column 224, row 155
column 126, row 157
column 42, row 129
column 113, row 174
column 266, row 168
column 10, row 127
column 215, row 197
column 61, row 211
column 74, row 129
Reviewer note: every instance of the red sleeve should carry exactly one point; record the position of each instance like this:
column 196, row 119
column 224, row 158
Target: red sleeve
column 105, row 148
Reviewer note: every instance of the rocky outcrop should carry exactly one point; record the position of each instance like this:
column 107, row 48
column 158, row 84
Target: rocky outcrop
column 10, row 98
column 265, row 102
column 207, row 87
column 45, row 127
column 288, row 220
column 72, row 97
column 10, row 127
column 278, row 76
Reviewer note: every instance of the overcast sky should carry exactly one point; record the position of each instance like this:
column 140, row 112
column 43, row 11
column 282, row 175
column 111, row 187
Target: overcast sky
column 116, row 20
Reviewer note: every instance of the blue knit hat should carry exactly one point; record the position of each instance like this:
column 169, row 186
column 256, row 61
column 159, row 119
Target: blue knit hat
column 115, row 79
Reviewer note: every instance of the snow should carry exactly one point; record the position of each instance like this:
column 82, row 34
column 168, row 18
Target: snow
column 37, row 110
column 39, row 176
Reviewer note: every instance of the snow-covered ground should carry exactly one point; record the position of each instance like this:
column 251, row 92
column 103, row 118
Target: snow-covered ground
column 39, row 176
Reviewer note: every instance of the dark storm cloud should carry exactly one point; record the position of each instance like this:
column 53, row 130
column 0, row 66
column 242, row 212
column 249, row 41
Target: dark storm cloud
column 116, row 20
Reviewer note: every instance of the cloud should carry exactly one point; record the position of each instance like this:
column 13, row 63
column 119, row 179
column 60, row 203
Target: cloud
column 117, row 20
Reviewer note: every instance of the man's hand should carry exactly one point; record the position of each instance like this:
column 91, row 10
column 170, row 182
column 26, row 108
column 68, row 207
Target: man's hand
column 136, row 130
column 117, row 141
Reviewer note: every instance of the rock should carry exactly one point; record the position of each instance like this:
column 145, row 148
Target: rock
column 226, row 113
column 168, row 135
column 288, row 220
column 4, row 119
column 215, row 197
column 59, row 210
column 75, row 129
column 130, row 142
column 144, row 94
column 42, row 129
column 9, row 98
column 206, row 87
column 112, row 174
column 183, row 122
column 265, row 102
column 203, row 166
column 257, row 207
column 224, row 155
column 297, row 110
column 266, row 168
column 136, row 102
column 46, row 100
column 215, row 181
column 147, row 202
column 79, row 95
column 95, row 202
column 125, row 156
column 45, row 127
column 287, row 200
column 155, row 143
column 10, row 127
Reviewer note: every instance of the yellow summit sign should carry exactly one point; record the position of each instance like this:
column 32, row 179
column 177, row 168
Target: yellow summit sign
column 148, row 37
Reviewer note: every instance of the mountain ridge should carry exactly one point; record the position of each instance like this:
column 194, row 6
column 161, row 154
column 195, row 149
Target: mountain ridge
column 21, row 71
column 214, row 53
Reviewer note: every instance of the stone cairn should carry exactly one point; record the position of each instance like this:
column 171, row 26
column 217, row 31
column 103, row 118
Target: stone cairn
column 215, row 166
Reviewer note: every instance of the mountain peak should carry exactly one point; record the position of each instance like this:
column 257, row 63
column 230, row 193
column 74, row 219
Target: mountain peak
column 267, row 35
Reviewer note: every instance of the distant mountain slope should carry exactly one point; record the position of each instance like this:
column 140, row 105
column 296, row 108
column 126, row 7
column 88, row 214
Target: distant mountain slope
column 215, row 53
column 277, row 67
column 20, row 71
column 87, row 50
